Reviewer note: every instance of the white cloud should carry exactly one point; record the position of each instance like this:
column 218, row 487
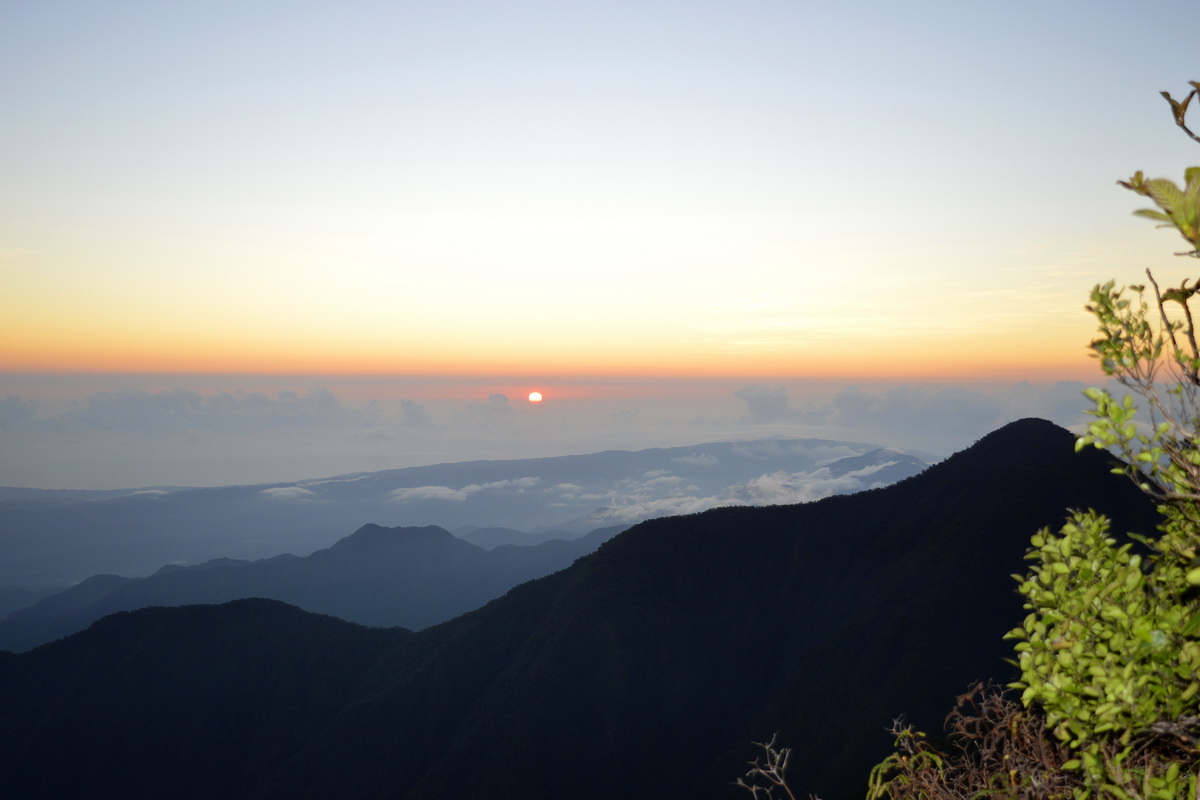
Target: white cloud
column 781, row 488
column 427, row 493
column 152, row 494
column 446, row 493
column 660, row 507
column 336, row 481
column 663, row 481
column 415, row 415
column 697, row 460
column 287, row 493
column 765, row 403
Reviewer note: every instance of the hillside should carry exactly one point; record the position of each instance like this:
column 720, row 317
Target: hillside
column 406, row 577
column 642, row 670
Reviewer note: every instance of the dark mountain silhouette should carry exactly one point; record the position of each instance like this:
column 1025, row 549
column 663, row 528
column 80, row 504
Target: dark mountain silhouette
column 58, row 538
column 407, row 577
column 13, row 598
column 643, row 670
column 489, row 538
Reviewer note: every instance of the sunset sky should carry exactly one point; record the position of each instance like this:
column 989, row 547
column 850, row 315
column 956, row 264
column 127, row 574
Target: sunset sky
column 512, row 195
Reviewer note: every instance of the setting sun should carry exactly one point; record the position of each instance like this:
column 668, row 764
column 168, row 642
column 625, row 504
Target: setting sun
column 535, row 397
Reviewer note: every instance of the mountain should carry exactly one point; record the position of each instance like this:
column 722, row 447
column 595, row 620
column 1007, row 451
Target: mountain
column 643, row 670
column 489, row 538
column 56, row 539
column 407, row 577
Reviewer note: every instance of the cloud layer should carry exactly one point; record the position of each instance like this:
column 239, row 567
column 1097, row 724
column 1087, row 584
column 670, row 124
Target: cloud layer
column 140, row 437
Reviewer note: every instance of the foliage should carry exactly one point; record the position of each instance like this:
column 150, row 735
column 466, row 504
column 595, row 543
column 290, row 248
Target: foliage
column 1110, row 650
column 1109, row 653
column 996, row 748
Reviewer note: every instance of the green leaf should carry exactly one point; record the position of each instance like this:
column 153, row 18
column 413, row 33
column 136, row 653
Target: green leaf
column 1152, row 214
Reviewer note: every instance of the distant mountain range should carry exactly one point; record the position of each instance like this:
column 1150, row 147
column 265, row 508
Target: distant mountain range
column 387, row 577
column 57, row 539
column 642, row 670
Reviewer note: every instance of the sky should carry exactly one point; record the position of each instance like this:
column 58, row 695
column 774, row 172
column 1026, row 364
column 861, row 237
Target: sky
column 261, row 241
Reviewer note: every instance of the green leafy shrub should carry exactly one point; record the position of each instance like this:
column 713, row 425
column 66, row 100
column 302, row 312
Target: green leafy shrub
column 1109, row 654
column 1110, row 650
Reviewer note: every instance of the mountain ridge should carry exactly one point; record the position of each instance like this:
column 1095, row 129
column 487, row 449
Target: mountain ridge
column 645, row 668
column 411, row 577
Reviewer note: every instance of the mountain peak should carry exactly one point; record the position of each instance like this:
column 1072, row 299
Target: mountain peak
column 372, row 535
column 1027, row 437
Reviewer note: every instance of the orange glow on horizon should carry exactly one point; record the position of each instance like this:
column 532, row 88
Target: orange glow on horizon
column 1025, row 354
column 847, row 368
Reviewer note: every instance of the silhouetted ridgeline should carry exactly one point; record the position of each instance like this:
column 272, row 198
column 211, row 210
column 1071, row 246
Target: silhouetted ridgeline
column 407, row 577
column 642, row 670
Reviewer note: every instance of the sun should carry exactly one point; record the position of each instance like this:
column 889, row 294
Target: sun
column 535, row 397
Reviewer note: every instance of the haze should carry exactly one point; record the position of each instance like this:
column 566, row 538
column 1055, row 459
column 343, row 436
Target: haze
column 262, row 241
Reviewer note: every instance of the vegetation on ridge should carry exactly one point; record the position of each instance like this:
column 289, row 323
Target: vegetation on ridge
column 1109, row 653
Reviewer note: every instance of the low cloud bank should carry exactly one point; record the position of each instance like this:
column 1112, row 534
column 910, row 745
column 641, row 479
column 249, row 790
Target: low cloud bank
column 934, row 418
column 630, row 501
column 138, row 438
column 142, row 413
column 458, row 495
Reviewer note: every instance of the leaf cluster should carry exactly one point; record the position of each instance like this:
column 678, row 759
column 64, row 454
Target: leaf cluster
column 1140, row 348
column 1109, row 652
column 1178, row 207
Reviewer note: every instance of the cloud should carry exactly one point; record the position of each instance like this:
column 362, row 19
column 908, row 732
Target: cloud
column 941, row 418
column 782, row 488
column 142, row 413
column 765, row 403
column 144, row 436
column 414, row 415
column 697, row 460
column 15, row 412
column 639, row 510
column 952, row 409
column 427, row 493
column 287, row 493
column 633, row 499
column 337, row 481
column 664, row 481
column 445, row 493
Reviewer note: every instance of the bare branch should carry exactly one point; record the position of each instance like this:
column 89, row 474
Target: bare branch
column 769, row 768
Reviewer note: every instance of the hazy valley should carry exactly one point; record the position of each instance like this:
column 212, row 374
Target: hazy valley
column 54, row 539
